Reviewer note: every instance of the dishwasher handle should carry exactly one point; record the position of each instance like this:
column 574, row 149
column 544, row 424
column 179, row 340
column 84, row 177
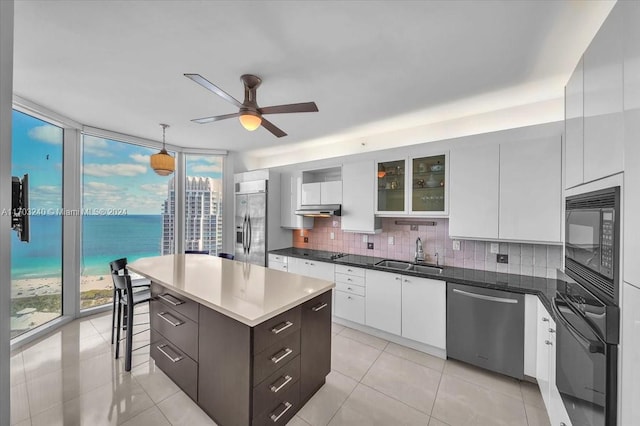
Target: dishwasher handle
column 485, row 297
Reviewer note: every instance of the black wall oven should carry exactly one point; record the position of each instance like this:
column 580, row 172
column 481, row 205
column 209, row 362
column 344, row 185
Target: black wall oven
column 586, row 309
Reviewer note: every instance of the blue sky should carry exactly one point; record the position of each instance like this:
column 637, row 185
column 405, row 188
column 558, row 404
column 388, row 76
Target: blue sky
column 115, row 175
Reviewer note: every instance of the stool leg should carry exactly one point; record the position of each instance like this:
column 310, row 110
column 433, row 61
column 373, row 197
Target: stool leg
column 113, row 315
column 129, row 349
column 118, row 329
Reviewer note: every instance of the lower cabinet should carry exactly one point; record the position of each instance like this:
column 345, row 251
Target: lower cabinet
column 630, row 348
column 424, row 313
column 311, row 268
column 546, row 368
column 383, row 305
column 350, row 306
column 315, row 344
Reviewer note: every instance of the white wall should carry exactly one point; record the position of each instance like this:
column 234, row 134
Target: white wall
column 6, row 90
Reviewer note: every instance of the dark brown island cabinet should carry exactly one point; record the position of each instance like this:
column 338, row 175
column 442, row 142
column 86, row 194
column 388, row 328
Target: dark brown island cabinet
column 242, row 375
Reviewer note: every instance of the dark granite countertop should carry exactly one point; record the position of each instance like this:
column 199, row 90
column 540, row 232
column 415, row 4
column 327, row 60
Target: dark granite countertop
column 544, row 288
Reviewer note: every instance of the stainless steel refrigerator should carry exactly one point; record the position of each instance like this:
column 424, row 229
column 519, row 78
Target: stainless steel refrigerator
column 251, row 222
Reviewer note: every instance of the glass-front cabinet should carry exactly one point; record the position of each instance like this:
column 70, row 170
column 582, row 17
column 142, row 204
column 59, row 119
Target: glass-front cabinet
column 391, row 187
column 415, row 186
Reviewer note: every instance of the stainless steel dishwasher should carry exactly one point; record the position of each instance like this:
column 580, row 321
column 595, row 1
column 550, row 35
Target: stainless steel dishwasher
column 485, row 327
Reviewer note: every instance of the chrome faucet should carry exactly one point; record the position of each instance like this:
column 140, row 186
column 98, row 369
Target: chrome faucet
column 419, row 251
column 437, row 260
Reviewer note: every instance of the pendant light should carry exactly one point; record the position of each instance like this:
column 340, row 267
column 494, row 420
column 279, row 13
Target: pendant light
column 162, row 163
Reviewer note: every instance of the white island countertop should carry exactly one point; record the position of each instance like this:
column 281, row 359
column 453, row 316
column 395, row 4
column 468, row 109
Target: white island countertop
column 247, row 293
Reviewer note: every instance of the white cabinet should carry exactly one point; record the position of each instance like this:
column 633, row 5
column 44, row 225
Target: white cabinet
column 279, row 262
column 358, row 206
column 530, row 334
column 290, row 197
column 475, row 171
column 311, row 268
column 603, row 100
column 322, row 193
column 383, row 305
column 531, row 190
column 424, row 313
column 508, row 191
column 574, row 128
column 632, row 142
column 630, row 346
column 350, row 293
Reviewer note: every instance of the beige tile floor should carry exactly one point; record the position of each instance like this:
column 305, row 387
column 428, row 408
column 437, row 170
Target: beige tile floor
column 71, row 378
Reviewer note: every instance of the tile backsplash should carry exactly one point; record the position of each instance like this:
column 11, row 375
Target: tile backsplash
column 399, row 242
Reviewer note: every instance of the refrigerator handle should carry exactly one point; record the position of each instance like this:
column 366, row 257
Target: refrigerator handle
column 250, row 235
column 244, row 234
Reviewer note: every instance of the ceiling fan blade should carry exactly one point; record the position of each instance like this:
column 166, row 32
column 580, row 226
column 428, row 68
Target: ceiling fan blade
column 284, row 109
column 272, row 128
column 215, row 89
column 216, row 118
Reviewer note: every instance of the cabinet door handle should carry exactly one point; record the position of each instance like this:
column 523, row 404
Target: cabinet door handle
column 173, row 359
column 349, row 297
column 170, row 299
column 349, row 288
column 398, row 278
column 551, row 330
column 545, row 319
column 285, row 353
column 406, row 280
column 548, row 342
column 311, row 263
column 349, row 270
column 281, row 327
column 164, row 315
column 306, row 263
column 275, row 417
column 349, row 279
column 276, row 389
column 319, row 307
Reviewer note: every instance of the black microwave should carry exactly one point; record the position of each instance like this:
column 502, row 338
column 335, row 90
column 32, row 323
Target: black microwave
column 592, row 240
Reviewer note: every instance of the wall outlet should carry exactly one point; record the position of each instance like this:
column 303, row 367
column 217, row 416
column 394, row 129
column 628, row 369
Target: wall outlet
column 332, row 235
column 494, row 248
column 365, row 238
column 502, row 258
column 370, row 246
column 335, row 223
column 456, row 244
column 306, row 239
column 390, row 240
column 413, row 227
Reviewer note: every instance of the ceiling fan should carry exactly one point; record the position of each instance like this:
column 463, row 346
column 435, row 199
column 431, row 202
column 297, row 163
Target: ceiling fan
column 249, row 113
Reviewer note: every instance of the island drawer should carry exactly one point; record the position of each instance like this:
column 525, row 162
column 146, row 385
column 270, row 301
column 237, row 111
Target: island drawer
column 175, row 364
column 350, row 270
column 275, row 356
column 280, row 410
column 180, row 330
column 276, row 328
column 175, row 301
column 270, row 389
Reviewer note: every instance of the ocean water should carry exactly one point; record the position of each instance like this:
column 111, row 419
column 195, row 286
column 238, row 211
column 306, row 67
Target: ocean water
column 104, row 238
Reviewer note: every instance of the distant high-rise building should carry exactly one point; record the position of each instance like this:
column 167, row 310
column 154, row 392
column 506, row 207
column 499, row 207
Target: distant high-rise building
column 203, row 216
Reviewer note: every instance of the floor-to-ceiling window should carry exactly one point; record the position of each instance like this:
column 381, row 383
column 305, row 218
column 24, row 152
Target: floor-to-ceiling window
column 203, row 203
column 123, row 204
column 36, row 265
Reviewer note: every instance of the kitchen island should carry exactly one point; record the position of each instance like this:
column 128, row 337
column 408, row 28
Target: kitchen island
column 249, row 344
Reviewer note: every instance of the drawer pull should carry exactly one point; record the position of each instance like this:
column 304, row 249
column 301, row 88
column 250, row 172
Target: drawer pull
column 547, row 342
column 173, row 359
column 551, row 330
column 170, row 299
column 398, row 278
column 349, row 270
column 320, row 307
column 545, row 319
column 276, row 389
column 285, row 353
column 349, row 279
column 275, row 417
column 281, row 327
column 164, row 315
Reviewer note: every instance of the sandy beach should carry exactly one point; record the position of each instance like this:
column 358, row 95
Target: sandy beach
column 30, row 287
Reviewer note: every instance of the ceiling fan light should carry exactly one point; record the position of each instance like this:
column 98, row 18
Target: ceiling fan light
column 162, row 163
column 250, row 122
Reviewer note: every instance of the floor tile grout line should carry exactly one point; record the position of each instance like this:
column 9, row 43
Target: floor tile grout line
column 359, row 341
column 417, row 363
column 484, row 386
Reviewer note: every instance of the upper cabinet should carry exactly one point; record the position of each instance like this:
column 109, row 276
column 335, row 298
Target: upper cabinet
column 574, row 128
column 414, row 186
column 594, row 116
column 322, row 187
column 358, row 208
column 632, row 143
column 290, row 197
column 509, row 191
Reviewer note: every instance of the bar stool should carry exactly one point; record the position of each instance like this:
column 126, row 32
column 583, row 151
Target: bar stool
column 128, row 300
column 119, row 267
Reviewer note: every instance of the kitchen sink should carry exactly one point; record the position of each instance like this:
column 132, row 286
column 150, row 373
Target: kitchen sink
column 425, row 269
column 394, row 264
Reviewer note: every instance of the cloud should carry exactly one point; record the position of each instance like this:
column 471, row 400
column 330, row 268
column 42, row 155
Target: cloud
column 97, row 147
column 122, row 169
column 140, row 158
column 47, row 133
column 45, row 196
column 103, row 187
column 159, row 189
column 202, row 168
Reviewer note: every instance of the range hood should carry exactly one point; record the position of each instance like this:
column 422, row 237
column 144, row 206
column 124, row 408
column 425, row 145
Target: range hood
column 323, row 210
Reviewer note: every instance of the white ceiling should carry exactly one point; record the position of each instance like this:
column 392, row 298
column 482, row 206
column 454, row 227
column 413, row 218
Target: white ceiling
column 118, row 65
